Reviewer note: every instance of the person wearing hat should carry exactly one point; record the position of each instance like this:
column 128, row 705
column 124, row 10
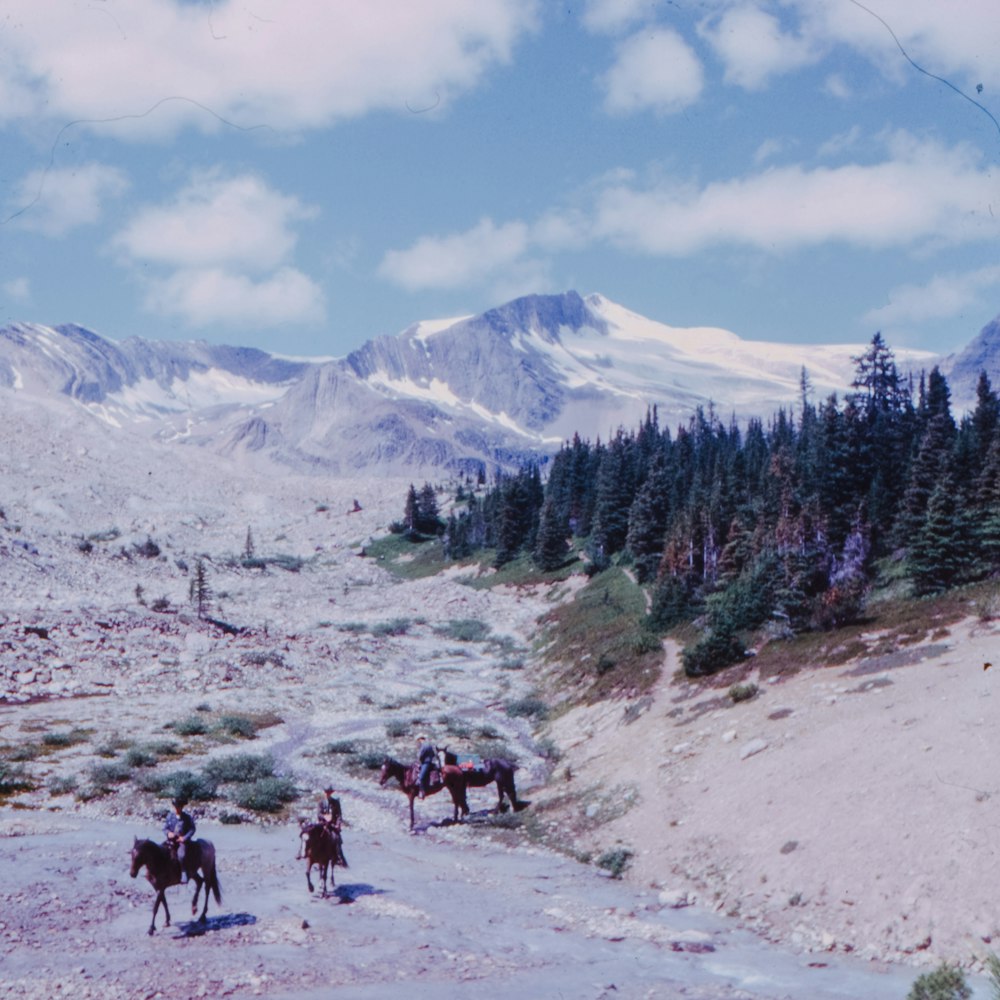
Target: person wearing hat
column 179, row 830
column 330, row 815
column 427, row 758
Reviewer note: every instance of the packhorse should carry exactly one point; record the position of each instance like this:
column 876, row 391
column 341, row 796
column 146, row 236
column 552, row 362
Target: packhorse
column 164, row 870
column 449, row 776
column 492, row 769
column 323, row 849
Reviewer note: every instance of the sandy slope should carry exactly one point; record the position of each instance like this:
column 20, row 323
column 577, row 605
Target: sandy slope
column 848, row 809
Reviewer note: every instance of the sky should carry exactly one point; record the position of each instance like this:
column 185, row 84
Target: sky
column 303, row 175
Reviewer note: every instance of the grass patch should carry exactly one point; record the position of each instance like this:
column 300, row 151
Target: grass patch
column 596, row 643
column 408, row 559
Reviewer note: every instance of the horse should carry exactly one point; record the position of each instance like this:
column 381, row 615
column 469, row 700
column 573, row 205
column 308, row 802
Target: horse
column 492, row 769
column 323, row 849
column 450, row 777
column 163, row 870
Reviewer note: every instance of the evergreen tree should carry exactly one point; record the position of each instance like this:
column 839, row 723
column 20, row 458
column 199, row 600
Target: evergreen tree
column 551, row 548
column 201, row 591
column 647, row 521
column 941, row 553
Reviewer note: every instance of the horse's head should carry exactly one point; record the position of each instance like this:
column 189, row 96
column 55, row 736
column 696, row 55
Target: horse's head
column 386, row 773
column 137, row 859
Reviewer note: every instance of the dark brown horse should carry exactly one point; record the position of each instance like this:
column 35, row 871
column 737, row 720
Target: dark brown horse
column 492, row 769
column 163, row 870
column 450, row 777
column 323, row 849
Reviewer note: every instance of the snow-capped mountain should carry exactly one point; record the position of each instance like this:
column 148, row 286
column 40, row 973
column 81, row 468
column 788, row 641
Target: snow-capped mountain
column 490, row 389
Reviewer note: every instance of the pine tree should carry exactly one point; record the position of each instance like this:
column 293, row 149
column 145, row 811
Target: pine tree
column 551, row 548
column 201, row 591
column 941, row 553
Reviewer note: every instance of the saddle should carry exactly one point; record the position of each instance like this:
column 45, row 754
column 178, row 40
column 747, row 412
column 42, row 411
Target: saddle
column 434, row 778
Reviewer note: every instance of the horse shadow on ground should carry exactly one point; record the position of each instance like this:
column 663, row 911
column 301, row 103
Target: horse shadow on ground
column 480, row 817
column 351, row 892
column 197, row 928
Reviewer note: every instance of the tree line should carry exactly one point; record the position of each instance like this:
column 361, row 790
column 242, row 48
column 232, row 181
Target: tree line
column 781, row 521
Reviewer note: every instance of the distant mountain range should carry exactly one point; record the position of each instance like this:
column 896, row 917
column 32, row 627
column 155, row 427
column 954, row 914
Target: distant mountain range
column 492, row 389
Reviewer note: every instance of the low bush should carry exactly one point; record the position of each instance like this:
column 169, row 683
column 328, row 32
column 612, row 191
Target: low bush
column 14, row 779
column 528, row 708
column 946, row 982
column 266, row 794
column 615, row 861
column 187, row 784
column 240, row 768
column 191, row 726
column 743, row 692
column 239, row 726
column 465, row 630
column 140, row 757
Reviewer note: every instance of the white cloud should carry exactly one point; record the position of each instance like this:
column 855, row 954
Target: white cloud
column 611, row 16
column 56, row 201
column 922, row 193
column 753, row 46
column 654, row 69
column 18, row 289
column 217, row 220
column 458, row 260
column 942, row 297
column 958, row 38
column 287, row 65
column 209, row 296
column 224, row 244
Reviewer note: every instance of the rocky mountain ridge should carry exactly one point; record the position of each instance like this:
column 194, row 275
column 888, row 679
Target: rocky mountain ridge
column 484, row 391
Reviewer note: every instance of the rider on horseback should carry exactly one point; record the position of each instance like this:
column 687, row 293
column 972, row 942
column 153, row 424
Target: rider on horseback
column 179, row 830
column 330, row 816
column 427, row 759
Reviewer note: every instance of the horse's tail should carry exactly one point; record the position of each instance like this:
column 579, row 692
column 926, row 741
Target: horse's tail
column 208, row 867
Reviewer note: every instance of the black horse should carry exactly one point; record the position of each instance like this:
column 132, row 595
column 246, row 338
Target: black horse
column 163, row 870
column 323, row 849
column 492, row 769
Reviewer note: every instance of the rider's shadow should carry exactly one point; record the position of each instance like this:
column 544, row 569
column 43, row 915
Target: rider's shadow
column 196, row 928
column 350, row 893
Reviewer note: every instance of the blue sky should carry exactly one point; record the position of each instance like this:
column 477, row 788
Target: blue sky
column 302, row 175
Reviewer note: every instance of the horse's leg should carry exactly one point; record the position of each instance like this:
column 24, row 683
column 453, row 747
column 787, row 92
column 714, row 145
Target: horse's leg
column 156, row 905
column 309, row 881
column 324, row 866
column 194, row 903
column 412, row 796
column 198, row 883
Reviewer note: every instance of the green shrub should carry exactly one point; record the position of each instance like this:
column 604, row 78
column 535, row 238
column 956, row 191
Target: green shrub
column 720, row 648
column 240, row 768
column 62, row 786
column 946, row 982
column 465, row 630
column 115, row 772
column 237, row 725
column 14, row 779
column 191, row 726
column 615, row 861
column 140, row 757
column 397, row 729
column 341, row 746
column 743, row 692
column 528, row 708
column 189, row 785
column 993, row 971
column 395, row 626
column 265, row 794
